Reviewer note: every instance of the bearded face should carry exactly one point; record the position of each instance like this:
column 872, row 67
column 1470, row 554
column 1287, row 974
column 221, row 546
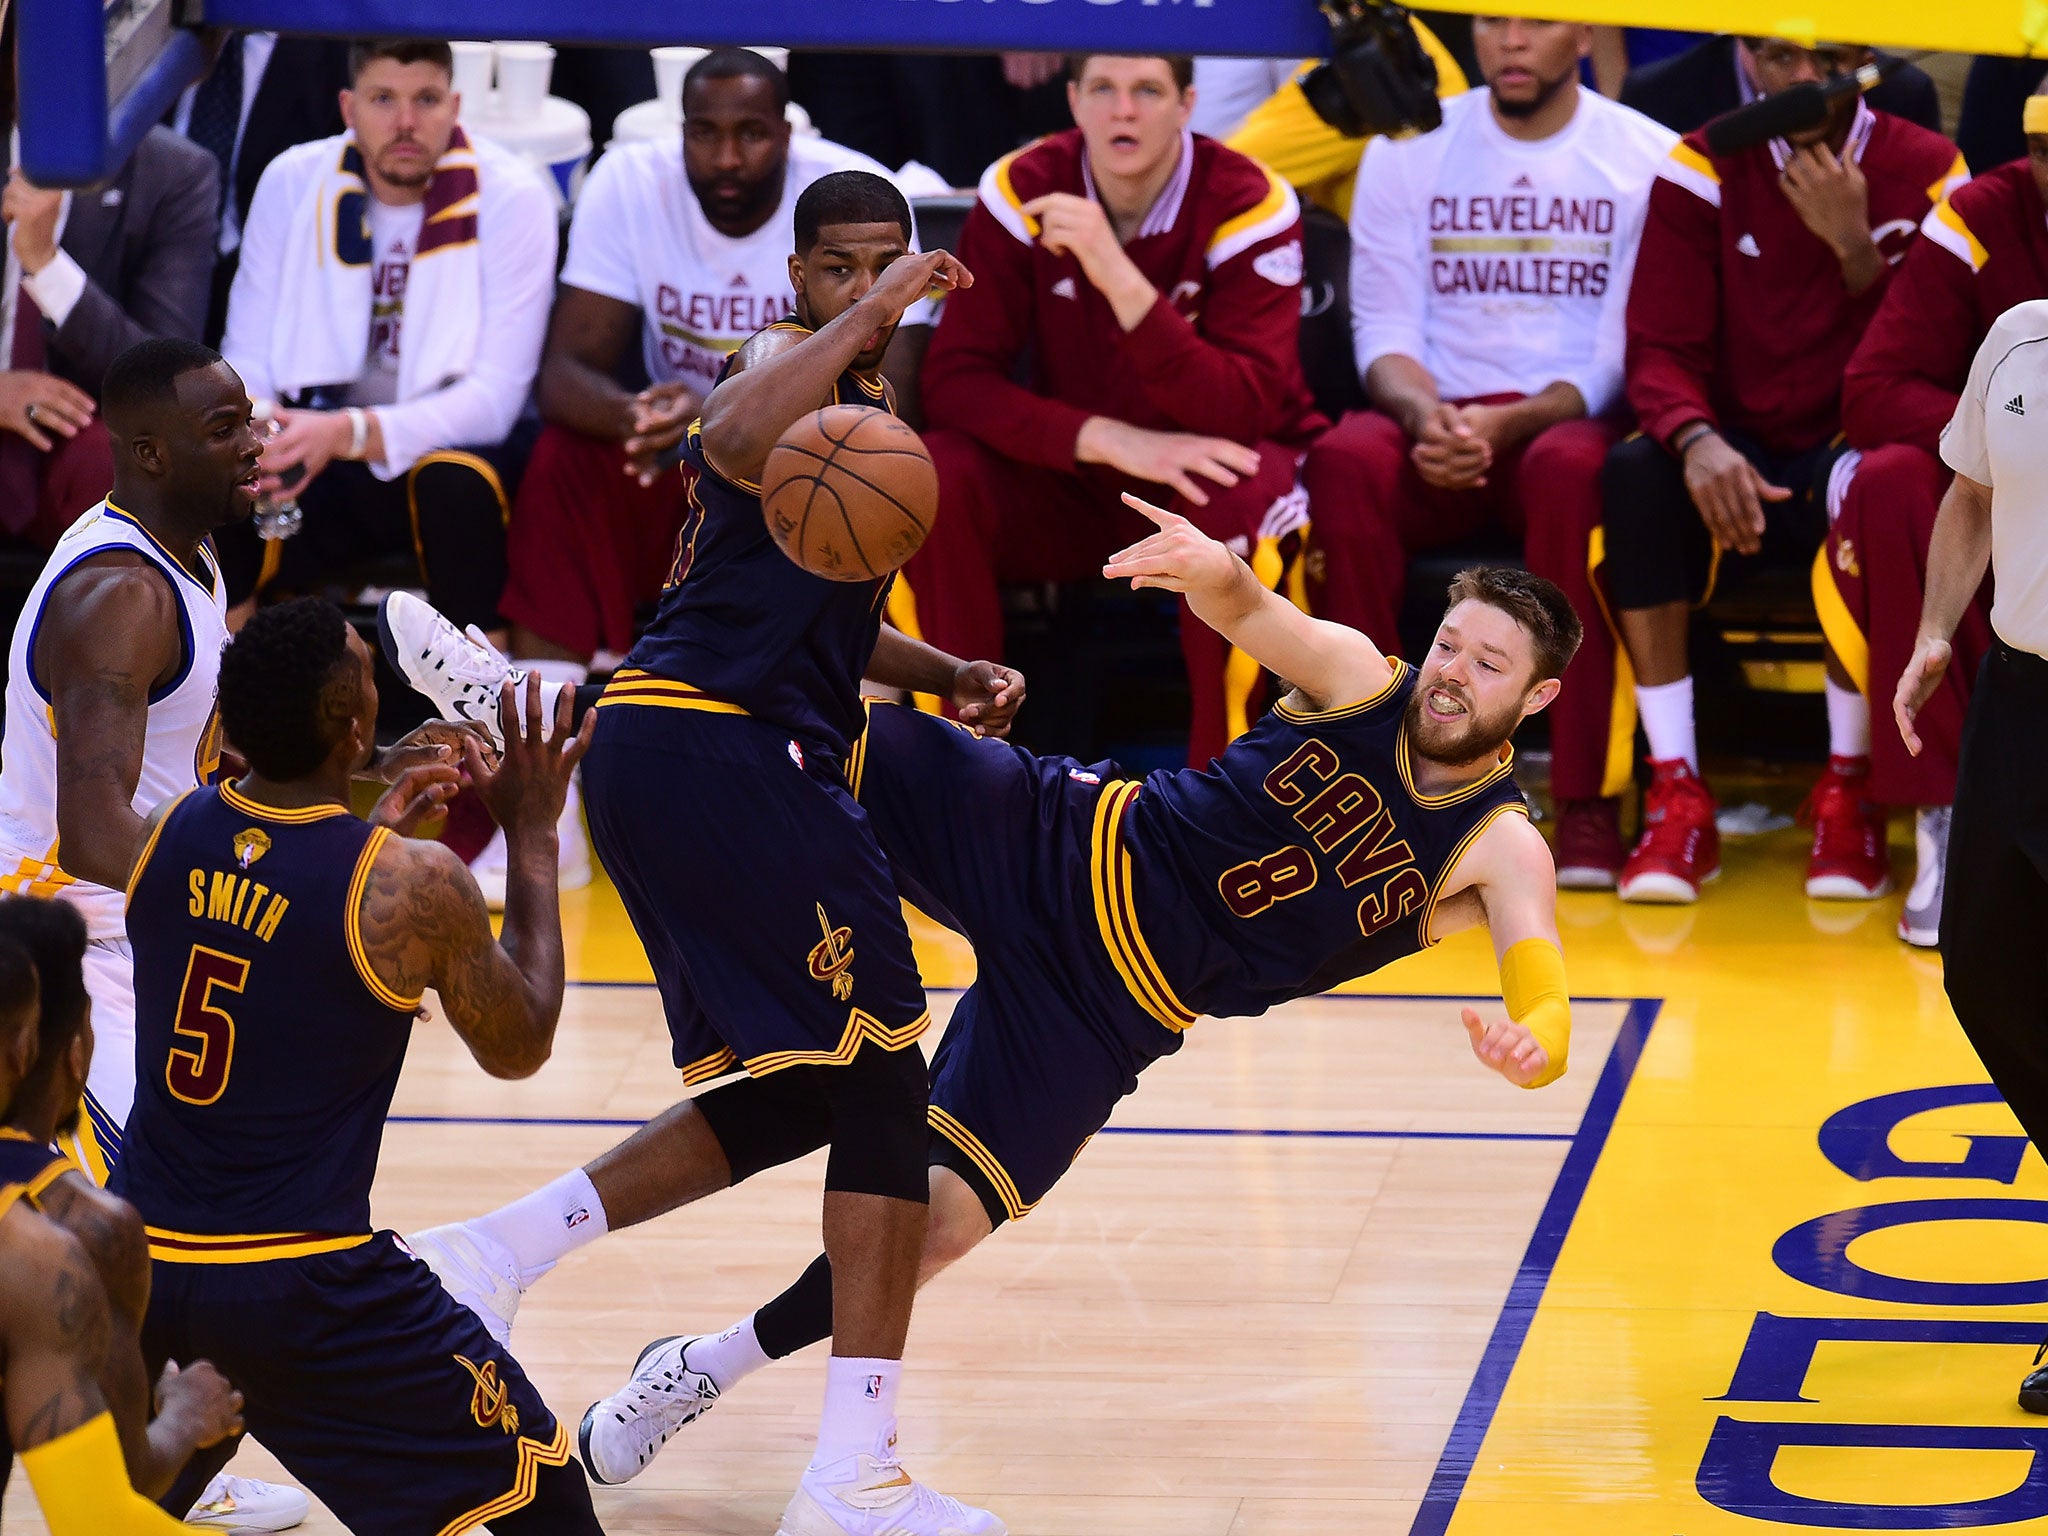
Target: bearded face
column 1447, row 725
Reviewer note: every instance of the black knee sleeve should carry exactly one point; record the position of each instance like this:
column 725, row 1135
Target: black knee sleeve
column 764, row 1122
column 1648, row 514
column 880, row 1143
column 458, row 526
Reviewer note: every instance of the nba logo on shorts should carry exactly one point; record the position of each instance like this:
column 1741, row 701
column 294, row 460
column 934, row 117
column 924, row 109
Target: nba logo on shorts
column 874, row 1388
column 796, row 753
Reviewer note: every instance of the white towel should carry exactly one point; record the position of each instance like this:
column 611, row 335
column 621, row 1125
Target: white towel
column 321, row 332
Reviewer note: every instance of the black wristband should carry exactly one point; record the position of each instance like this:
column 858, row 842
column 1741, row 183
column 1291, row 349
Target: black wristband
column 1686, row 439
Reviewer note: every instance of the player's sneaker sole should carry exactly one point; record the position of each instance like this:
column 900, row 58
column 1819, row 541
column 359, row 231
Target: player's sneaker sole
column 1585, row 878
column 1665, row 890
column 1846, row 888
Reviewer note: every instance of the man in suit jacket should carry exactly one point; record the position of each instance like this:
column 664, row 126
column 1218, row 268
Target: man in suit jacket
column 1691, row 89
column 274, row 92
column 88, row 275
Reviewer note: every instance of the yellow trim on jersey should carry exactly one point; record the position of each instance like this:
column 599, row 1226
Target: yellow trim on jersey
column 149, row 845
column 1345, row 711
column 1109, row 873
column 88, row 1154
column 1000, row 174
column 1453, row 796
column 10, row 1194
column 1014, row 1205
column 1513, row 807
column 1844, row 635
column 1695, row 162
column 857, row 756
column 630, row 686
column 704, row 1068
column 1945, row 227
column 299, row 817
column 1619, row 771
column 525, row 1483
column 212, row 570
column 37, row 877
column 255, row 1248
column 860, row 1025
column 352, row 923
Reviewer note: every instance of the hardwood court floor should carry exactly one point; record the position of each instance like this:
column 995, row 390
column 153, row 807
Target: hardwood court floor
column 1213, row 1330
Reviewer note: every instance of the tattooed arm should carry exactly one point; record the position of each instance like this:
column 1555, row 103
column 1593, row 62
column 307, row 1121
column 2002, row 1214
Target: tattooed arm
column 424, row 923
column 109, row 635
column 199, row 1407
column 54, row 1314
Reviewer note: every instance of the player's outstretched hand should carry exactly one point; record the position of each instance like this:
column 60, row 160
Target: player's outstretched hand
column 531, row 781
column 987, row 696
column 436, row 742
column 1916, row 686
column 909, row 278
column 203, row 1399
column 1507, row 1047
column 420, row 793
column 1179, row 557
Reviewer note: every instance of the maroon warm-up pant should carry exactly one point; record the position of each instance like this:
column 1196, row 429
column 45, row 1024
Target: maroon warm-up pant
column 1000, row 520
column 1372, row 510
column 588, row 543
column 46, row 492
column 1876, row 558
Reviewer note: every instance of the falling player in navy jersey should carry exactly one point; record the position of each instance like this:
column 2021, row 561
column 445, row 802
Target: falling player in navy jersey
column 282, row 947
column 195, row 1406
column 717, row 800
column 1371, row 814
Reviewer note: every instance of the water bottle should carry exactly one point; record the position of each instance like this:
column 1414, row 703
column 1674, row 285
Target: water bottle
column 278, row 516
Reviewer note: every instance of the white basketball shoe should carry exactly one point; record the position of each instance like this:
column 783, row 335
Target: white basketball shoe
column 460, row 673
column 243, row 1504
column 476, row 1270
column 622, row 1433
column 867, row 1495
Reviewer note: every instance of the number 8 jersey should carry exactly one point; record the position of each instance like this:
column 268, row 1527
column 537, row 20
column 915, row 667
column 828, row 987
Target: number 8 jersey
column 267, row 1049
column 1303, row 857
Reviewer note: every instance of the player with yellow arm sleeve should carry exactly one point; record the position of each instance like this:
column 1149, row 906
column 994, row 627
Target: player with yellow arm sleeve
column 1372, row 812
column 1285, row 135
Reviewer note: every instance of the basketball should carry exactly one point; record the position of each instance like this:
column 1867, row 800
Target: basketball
column 849, row 493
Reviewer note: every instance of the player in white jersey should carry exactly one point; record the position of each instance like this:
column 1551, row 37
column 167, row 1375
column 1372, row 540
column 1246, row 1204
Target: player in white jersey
column 110, row 677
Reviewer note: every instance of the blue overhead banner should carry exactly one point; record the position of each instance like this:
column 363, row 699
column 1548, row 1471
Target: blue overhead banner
column 1260, row 28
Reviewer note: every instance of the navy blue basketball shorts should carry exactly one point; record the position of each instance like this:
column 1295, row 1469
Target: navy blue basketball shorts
column 379, row 1391
column 756, row 885
column 999, row 845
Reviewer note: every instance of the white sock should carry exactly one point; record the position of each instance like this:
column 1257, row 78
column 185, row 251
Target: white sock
column 860, row 1409
column 1848, row 722
column 730, row 1357
column 540, row 1228
column 1667, row 720
column 555, row 675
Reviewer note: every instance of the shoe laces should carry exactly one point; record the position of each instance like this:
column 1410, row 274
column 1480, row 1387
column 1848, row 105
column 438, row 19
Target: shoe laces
column 474, row 659
column 669, row 1395
column 1838, row 812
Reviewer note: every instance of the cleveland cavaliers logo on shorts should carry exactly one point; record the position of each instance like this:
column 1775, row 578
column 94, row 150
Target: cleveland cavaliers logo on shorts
column 490, row 1404
column 832, row 957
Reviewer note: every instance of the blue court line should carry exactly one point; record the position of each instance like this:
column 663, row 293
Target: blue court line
column 1323, row 997
column 1447, row 1486
column 1275, row 1133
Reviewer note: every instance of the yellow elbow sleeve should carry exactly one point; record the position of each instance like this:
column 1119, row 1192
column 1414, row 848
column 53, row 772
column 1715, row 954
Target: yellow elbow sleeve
column 1532, row 981
column 82, row 1484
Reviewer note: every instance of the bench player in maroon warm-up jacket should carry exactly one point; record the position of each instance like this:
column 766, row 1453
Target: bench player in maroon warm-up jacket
column 1152, row 279
column 1757, row 274
column 1983, row 249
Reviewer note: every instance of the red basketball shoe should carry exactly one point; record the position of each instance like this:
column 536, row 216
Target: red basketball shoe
column 1849, row 860
column 1588, row 849
column 1680, row 850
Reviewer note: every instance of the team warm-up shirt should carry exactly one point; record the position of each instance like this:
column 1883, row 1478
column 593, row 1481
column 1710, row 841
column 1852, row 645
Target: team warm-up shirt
column 1996, row 440
column 1982, row 249
column 1216, row 353
column 394, row 236
column 640, row 236
column 1738, row 315
column 180, row 744
column 1503, row 266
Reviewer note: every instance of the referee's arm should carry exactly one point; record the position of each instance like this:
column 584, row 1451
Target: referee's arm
column 1957, row 557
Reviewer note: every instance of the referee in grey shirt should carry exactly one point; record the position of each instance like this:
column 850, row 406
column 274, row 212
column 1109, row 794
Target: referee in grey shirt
column 1994, row 920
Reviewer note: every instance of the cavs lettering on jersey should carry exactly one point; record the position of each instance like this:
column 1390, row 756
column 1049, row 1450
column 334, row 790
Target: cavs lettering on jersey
column 266, row 1047
column 1302, row 857
column 743, row 629
column 181, row 745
